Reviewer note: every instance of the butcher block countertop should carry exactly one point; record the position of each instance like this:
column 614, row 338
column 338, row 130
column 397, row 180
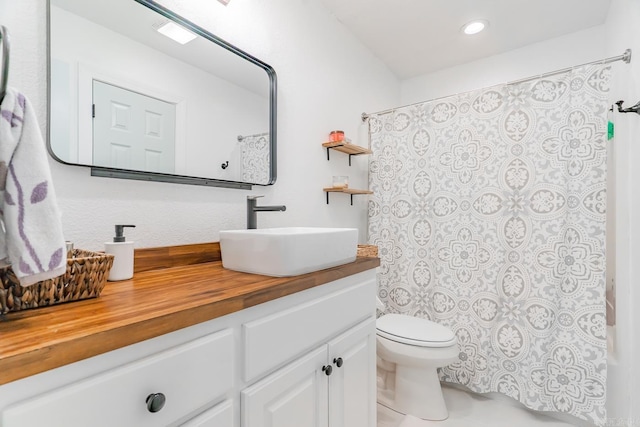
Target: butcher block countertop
column 172, row 288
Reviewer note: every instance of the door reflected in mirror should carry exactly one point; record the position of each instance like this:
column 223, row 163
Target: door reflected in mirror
column 123, row 95
column 132, row 130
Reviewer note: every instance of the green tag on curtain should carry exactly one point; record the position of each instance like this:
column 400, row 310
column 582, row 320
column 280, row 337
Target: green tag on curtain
column 610, row 131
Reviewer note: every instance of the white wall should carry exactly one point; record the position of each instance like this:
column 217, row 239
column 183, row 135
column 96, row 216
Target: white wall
column 610, row 39
column 325, row 80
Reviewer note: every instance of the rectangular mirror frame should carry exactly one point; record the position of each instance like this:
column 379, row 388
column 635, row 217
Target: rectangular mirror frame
column 180, row 179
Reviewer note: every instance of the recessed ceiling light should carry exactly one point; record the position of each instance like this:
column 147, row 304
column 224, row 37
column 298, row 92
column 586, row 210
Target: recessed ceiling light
column 474, row 27
column 175, row 32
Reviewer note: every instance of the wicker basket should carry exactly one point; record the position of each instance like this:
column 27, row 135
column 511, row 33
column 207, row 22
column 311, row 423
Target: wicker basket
column 85, row 277
column 369, row 251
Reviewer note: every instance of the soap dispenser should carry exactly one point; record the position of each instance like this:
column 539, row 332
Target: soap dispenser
column 123, row 255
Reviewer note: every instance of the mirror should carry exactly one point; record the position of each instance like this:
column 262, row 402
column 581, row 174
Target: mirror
column 133, row 103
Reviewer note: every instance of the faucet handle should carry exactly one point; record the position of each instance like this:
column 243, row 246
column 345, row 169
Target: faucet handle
column 254, row 197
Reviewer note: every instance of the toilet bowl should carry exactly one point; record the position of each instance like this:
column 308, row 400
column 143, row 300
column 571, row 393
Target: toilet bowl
column 409, row 351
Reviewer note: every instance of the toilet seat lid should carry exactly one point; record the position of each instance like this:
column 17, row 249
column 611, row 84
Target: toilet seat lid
column 414, row 331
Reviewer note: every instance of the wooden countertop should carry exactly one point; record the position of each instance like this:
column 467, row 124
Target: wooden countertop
column 155, row 302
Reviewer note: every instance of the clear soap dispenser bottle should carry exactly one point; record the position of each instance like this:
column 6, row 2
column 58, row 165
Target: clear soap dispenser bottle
column 123, row 255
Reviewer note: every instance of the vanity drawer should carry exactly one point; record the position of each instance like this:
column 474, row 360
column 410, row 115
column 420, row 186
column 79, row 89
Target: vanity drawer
column 190, row 376
column 220, row 415
column 275, row 339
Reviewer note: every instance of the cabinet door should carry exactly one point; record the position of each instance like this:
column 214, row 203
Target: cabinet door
column 294, row 396
column 220, row 415
column 352, row 386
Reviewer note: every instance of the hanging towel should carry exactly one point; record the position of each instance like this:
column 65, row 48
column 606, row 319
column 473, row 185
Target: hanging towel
column 31, row 239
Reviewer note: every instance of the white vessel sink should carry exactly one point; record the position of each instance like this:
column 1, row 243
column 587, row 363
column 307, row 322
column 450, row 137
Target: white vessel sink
column 287, row 251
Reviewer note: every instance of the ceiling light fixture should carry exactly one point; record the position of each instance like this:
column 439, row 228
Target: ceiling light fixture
column 175, row 32
column 474, row 27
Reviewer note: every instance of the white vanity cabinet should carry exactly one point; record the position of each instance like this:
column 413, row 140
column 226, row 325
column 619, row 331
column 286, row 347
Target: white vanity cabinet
column 328, row 371
column 220, row 415
column 154, row 391
column 261, row 366
column 330, row 386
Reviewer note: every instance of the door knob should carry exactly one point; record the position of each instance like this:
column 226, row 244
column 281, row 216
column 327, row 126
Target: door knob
column 327, row 369
column 338, row 362
column 155, row 402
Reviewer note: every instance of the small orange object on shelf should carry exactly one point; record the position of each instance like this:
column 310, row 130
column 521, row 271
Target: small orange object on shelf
column 336, row 135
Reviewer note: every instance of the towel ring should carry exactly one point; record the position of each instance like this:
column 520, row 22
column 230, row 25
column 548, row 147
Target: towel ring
column 4, row 39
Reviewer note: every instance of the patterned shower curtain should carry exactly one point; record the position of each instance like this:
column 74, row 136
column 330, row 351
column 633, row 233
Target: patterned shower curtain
column 489, row 214
column 254, row 153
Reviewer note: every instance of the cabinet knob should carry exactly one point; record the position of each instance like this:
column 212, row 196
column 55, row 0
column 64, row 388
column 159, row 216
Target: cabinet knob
column 155, row 402
column 328, row 369
column 338, row 362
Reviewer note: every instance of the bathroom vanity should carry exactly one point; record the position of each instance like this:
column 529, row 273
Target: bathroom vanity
column 198, row 345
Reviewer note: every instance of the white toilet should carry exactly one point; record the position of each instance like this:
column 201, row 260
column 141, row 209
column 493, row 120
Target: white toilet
column 410, row 350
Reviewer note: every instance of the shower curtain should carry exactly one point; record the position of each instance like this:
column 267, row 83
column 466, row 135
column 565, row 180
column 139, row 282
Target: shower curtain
column 489, row 215
column 254, row 152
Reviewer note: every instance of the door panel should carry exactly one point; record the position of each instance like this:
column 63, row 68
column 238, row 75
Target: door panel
column 132, row 131
column 294, row 396
column 352, row 386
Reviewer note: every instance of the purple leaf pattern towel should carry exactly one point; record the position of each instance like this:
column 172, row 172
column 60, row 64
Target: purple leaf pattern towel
column 32, row 241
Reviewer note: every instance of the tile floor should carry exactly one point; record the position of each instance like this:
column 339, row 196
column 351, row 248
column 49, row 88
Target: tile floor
column 473, row 410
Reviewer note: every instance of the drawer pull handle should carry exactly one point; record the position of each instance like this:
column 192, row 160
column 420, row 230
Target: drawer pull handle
column 155, row 402
column 338, row 362
column 327, row 369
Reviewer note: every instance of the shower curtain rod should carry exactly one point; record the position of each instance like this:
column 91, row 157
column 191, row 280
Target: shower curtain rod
column 625, row 57
column 241, row 137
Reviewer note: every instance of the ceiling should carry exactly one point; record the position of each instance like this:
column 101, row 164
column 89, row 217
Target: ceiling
column 415, row 37
column 136, row 22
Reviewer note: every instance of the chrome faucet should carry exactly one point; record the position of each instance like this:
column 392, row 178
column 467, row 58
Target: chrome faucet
column 252, row 209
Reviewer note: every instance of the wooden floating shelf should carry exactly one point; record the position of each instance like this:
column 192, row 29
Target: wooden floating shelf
column 350, row 191
column 350, row 149
column 346, row 190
